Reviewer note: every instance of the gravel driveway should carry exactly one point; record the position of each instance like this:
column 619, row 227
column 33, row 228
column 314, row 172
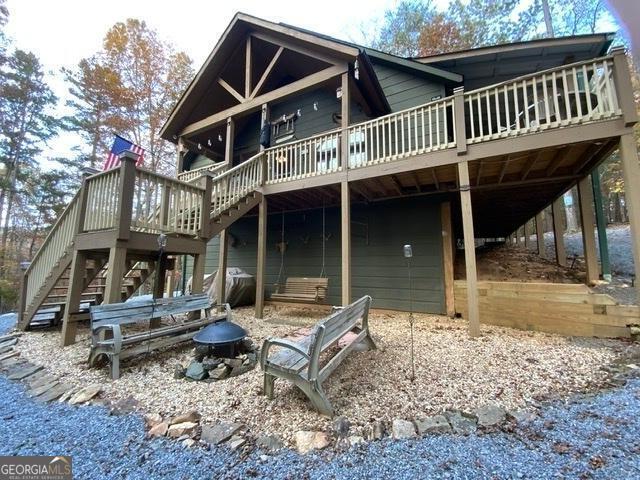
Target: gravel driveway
column 595, row 437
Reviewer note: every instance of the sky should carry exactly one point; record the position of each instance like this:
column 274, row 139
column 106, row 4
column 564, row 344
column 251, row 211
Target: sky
column 62, row 32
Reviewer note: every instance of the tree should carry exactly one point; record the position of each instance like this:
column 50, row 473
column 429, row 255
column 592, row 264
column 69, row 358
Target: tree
column 418, row 28
column 99, row 101
column 129, row 88
column 25, row 125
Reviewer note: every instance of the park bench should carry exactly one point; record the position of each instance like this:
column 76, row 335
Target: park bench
column 299, row 361
column 302, row 290
column 107, row 339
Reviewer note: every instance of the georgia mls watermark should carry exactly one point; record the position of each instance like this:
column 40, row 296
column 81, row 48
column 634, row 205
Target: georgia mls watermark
column 35, row 468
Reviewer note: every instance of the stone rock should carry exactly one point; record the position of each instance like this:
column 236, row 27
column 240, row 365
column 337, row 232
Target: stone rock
column 85, row 394
column 188, row 442
column 378, row 431
column 185, row 428
column 307, row 441
column 159, row 430
column 153, row 419
column 521, row 416
column 196, row 371
column 218, row 433
column 233, row 362
column 211, row 363
column 341, row 427
column 435, row 424
column 490, row 415
column 269, row 443
column 236, row 442
column 179, row 372
column 191, row 416
column 220, row 373
column 462, row 424
column 402, row 429
column 355, row 440
column 242, row 369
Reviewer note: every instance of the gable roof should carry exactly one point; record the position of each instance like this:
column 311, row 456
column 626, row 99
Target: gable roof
column 242, row 24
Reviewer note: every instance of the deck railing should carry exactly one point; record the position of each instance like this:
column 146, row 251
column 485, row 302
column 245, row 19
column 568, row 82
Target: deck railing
column 410, row 132
column 102, row 201
column 312, row 156
column 164, row 204
column 214, row 169
column 567, row 95
column 235, row 184
column 57, row 244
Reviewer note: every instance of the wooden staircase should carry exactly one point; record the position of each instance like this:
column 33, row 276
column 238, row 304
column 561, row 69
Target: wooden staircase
column 130, row 207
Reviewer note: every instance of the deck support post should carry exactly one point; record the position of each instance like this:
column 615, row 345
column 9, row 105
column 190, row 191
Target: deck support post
column 197, row 279
column 221, row 278
column 447, row 258
column 460, row 127
column 526, row 234
column 601, row 225
column 228, row 144
column 158, row 286
column 345, row 208
column 179, row 155
column 585, row 194
column 115, row 271
column 469, row 249
column 540, row 234
column 262, row 257
column 558, row 231
column 74, row 296
column 631, row 171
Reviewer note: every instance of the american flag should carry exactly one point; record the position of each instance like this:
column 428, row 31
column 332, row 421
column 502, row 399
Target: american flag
column 120, row 145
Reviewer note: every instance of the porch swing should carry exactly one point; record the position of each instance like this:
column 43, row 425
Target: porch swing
column 301, row 289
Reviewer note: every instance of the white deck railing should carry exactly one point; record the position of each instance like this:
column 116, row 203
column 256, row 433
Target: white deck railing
column 418, row 130
column 102, row 201
column 235, row 184
column 212, row 169
column 312, row 156
column 573, row 94
column 164, row 204
column 57, row 244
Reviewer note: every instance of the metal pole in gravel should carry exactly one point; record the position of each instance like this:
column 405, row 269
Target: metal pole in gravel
column 408, row 253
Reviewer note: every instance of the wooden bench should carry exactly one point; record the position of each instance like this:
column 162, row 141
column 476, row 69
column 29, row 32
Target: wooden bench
column 108, row 341
column 302, row 290
column 299, row 361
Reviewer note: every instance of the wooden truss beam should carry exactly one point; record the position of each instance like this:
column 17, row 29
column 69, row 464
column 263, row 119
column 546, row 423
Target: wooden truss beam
column 266, row 72
column 231, row 90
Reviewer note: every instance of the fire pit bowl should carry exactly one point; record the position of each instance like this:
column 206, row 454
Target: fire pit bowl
column 222, row 338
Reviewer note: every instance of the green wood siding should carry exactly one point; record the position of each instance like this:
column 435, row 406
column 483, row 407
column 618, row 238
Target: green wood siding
column 378, row 231
column 404, row 90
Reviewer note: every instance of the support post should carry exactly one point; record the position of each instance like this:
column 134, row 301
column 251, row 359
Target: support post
column 179, row 155
column 526, row 234
column 517, row 234
column 631, row 171
column 74, row 296
column 228, row 145
column 197, row 280
column 22, row 302
column 601, row 225
column 540, row 234
column 460, row 128
column 345, row 112
column 262, row 257
column 345, row 208
column 624, row 87
column 115, row 271
column 447, row 258
column 206, row 206
column 469, row 249
column 585, row 194
column 128, row 161
column 558, row 231
column 158, row 286
column 222, row 267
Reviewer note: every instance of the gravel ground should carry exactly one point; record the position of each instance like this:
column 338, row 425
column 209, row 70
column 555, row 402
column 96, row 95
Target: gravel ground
column 592, row 437
column 509, row 366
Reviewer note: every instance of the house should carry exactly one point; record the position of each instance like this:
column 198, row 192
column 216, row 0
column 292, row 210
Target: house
column 299, row 155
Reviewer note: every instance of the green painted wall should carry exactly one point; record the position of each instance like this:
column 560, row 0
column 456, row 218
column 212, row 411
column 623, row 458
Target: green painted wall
column 379, row 232
column 405, row 90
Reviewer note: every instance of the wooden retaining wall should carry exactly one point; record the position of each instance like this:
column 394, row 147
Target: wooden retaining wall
column 566, row 309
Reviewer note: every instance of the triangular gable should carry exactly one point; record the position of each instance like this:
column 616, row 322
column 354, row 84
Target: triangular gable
column 278, row 56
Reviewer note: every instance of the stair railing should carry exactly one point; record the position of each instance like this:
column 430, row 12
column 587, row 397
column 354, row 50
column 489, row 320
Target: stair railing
column 235, row 184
